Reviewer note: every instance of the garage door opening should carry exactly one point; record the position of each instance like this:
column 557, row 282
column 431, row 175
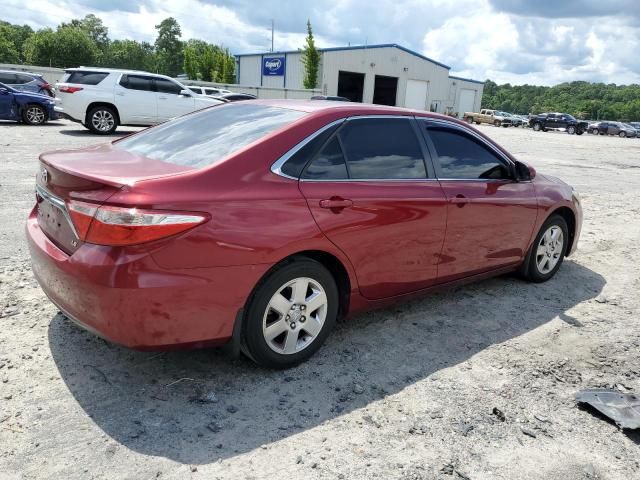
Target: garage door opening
column 385, row 90
column 351, row 85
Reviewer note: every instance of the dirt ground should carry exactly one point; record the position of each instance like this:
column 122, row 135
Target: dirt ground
column 403, row 393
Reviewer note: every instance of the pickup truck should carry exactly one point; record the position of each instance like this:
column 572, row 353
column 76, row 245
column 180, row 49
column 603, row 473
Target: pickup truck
column 552, row 121
column 493, row 117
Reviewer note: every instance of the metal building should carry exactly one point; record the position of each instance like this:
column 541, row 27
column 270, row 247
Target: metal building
column 386, row 74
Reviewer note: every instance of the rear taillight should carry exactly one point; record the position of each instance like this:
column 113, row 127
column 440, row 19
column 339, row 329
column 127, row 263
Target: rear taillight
column 117, row 226
column 69, row 89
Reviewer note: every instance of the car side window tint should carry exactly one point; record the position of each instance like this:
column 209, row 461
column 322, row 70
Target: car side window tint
column 294, row 166
column 329, row 164
column 167, row 86
column 381, row 148
column 460, row 156
column 83, row 77
column 136, row 82
column 8, row 78
column 22, row 79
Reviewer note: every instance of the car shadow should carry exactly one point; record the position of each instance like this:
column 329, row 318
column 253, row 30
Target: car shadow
column 83, row 132
column 196, row 407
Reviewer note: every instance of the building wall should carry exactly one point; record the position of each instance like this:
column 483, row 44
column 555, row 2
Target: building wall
column 456, row 85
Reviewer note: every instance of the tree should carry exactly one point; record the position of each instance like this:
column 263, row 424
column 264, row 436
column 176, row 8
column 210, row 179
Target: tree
column 210, row 63
column 169, row 48
column 12, row 39
column 311, row 60
column 93, row 27
column 129, row 54
column 66, row 47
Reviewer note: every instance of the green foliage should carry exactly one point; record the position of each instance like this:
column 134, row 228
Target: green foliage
column 12, row 39
column 65, row 47
column 93, row 27
column 311, row 60
column 592, row 101
column 129, row 54
column 209, row 63
column 169, row 47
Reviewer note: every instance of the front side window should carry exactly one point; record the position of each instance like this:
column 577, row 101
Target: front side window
column 211, row 91
column 460, row 156
column 167, row 86
column 379, row 148
column 208, row 136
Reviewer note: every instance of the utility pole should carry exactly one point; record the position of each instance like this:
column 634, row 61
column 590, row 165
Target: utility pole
column 272, row 28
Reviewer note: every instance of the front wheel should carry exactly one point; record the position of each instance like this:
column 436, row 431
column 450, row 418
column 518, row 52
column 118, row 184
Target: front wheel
column 571, row 130
column 469, row 120
column 536, row 127
column 34, row 115
column 102, row 120
column 622, row 134
column 497, row 123
column 547, row 251
column 290, row 314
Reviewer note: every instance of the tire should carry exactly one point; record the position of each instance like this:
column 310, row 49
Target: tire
column 571, row 130
column 543, row 262
column 496, row 123
column 579, row 132
column 102, row 120
column 477, row 123
column 622, row 134
column 469, row 120
column 34, row 114
column 536, row 127
column 267, row 309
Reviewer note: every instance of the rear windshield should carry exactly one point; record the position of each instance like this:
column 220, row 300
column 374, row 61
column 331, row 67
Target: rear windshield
column 206, row 137
column 86, row 78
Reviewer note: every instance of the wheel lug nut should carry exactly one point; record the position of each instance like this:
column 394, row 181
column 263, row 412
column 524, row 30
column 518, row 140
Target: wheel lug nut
column 302, row 319
column 293, row 325
column 288, row 317
column 303, row 307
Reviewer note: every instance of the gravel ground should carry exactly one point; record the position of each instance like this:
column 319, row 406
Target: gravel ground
column 475, row 383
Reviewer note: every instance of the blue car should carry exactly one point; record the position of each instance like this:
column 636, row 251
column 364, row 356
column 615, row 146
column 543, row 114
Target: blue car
column 27, row 107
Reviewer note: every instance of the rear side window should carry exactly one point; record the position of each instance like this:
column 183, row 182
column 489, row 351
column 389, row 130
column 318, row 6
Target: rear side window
column 382, row 149
column 137, row 82
column 195, row 90
column 211, row 91
column 461, row 156
column 167, row 86
column 294, row 165
column 8, row 78
column 21, row 79
column 86, row 78
column 206, row 137
column 329, row 164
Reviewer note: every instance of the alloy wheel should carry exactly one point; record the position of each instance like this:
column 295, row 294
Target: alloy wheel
column 294, row 316
column 549, row 249
column 102, row 120
column 35, row 115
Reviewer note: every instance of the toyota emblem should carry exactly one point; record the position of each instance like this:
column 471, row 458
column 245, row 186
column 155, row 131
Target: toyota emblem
column 45, row 175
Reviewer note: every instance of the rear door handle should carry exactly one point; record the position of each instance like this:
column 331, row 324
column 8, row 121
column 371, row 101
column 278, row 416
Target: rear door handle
column 459, row 200
column 336, row 203
column 162, row 98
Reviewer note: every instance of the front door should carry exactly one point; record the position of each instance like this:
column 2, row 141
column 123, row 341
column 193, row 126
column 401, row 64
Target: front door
column 170, row 103
column 370, row 192
column 7, row 105
column 490, row 215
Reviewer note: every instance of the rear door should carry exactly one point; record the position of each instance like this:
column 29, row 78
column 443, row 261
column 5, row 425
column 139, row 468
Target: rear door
column 490, row 215
column 370, row 191
column 170, row 103
column 136, row 100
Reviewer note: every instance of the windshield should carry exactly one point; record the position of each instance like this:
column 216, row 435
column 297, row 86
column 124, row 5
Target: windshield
column 206, row 137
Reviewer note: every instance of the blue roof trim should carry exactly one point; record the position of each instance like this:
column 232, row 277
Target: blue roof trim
column 466, row 79
column 356, row 47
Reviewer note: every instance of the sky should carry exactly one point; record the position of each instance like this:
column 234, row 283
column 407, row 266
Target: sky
column 541, row 42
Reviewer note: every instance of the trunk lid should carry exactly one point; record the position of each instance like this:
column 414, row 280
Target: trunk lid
column 89, row 175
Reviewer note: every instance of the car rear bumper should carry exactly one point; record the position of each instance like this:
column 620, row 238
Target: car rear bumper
column 122, row 295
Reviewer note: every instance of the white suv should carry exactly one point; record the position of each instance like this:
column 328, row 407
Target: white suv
column 210, row 91
column 103, row 98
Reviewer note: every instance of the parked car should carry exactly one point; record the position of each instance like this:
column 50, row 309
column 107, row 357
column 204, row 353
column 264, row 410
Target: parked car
column 516, row 121
column 486, row 115
column 260, row 223
column 28, row 107
column 636, row 127
column 211, row 91
column 28, row 82
column 235, row 97
column 102, row 98
column 556, row 121
column 612, row 128
column 334, row 98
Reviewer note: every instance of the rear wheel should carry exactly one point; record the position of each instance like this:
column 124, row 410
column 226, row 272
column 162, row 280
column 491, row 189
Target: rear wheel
column 595, row 131
column 536, row 127
column 622, row 134
column 469, row 119
column 102, row 120
column 547, row 251
column 290, row 314
column 34, row 115
column 497, row 123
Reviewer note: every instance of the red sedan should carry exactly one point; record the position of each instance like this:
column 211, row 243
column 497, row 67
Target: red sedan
column 260, row 223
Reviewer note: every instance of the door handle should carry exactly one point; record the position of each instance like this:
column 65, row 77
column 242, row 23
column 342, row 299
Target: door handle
column 162, row 98
column 336, row 204
column 459, row 200
column 120, row 94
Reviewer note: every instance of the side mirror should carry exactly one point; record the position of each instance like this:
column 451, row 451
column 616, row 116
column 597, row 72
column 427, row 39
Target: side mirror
column 185, row 93
column 524, row 172
column 3, row 91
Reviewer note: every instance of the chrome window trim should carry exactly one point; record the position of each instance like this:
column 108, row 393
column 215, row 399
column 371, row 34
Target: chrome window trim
column 277, row 165
column 59, row 204
column 354, row 180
